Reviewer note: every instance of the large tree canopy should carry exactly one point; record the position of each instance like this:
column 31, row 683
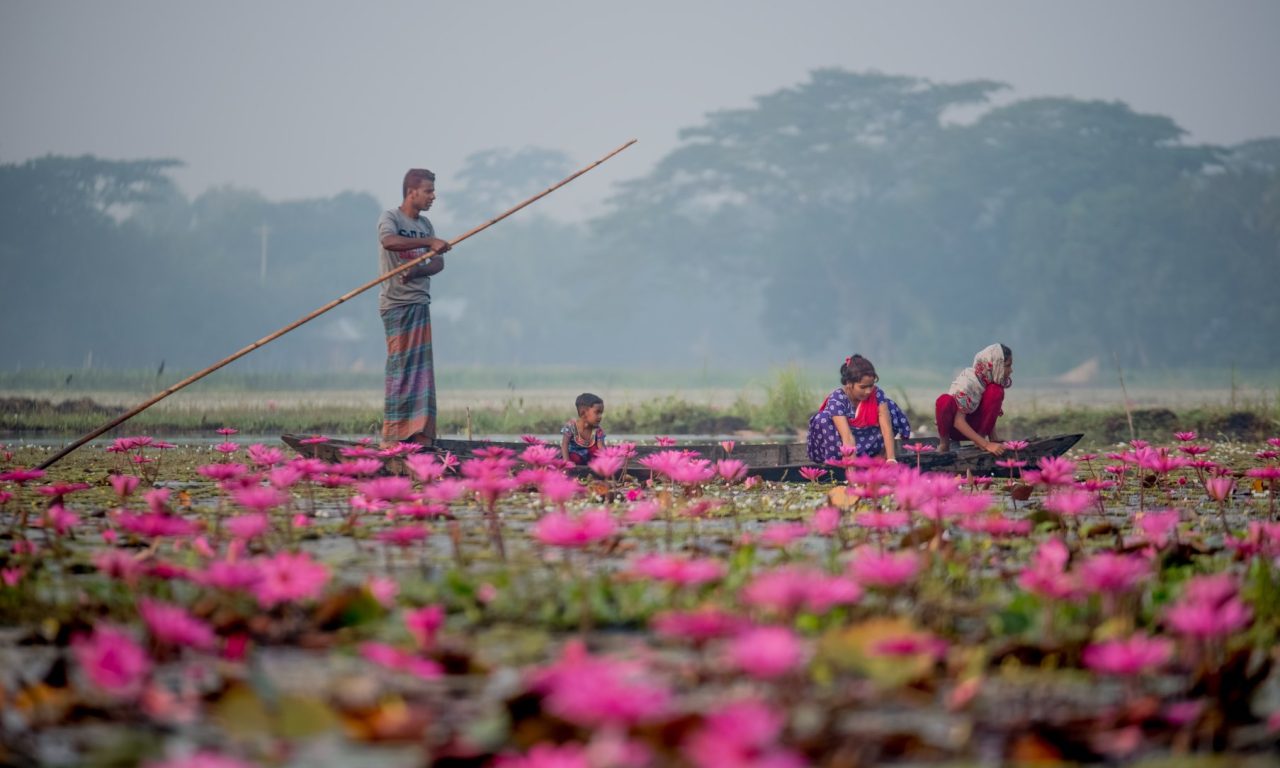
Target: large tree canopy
column 852, row 213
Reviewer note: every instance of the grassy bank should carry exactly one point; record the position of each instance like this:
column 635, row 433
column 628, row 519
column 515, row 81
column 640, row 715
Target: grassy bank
column 785, row 411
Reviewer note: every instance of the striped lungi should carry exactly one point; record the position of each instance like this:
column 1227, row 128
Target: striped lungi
column 410, row 411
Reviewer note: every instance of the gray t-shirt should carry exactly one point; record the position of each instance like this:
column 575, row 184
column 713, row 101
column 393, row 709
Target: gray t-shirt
column 413, row 286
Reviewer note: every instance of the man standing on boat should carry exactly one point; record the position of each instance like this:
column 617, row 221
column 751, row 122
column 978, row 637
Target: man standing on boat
column 404, row 302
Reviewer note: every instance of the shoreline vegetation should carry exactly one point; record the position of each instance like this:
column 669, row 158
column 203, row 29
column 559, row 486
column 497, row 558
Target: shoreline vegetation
column 37, row 418
column 52, row 403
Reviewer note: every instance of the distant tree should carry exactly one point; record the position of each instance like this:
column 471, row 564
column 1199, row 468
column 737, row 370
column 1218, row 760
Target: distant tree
column 496, row 179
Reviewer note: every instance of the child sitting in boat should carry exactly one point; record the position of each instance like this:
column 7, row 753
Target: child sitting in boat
column 857, row 414
column 582, row 438
column 970, row 407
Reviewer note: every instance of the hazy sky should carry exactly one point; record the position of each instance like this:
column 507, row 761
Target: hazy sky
column 309, row 99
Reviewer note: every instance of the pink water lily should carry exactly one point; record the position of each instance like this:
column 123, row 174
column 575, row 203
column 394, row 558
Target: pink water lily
column 557, row 488
column 288, row 577
column 812, row 474
column 698, row 626
column 248, row 526
column 21, row 476
column 424, row 624
column 607, row 465
column 426, row 467
column 401, row 661
column 227, row 471
column 561, row 529
column 172, row 624
column 1157, row 526
column 541, row 455
column 112, row 661
column 261, row 498
column 1110, row 573
column 766, row 653
column 1209, row 607
column 594, row 691
column 403, row 536
column 202, row 759
column 680, row 571
column 825, row 521
column 742, row 734
column 888, row 569
column 1136, row 655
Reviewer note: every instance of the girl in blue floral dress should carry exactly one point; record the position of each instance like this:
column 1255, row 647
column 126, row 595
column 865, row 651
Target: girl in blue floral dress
column 858, row 414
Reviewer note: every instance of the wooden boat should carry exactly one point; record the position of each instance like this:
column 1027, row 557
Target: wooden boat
column 769, row 461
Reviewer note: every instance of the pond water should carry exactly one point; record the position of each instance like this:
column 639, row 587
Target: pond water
column 646, row 623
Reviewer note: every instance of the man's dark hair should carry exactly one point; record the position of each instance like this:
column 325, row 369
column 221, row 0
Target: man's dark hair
column 587, row 400
column 414, row 178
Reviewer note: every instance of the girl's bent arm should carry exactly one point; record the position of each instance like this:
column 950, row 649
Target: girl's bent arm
column 886, row 430
column 962, row 425
column 842, row 426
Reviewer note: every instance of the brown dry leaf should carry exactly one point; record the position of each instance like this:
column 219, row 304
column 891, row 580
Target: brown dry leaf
column 664, row 499
column 840, row 498
column 242, row 713
column 1100, row 529
column 41, row 704
column 1029, row 748
column 391, row 720
column 1020, row 492
column 921, row 534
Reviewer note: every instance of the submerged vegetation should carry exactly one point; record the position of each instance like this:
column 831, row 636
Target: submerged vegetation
column 229, row 605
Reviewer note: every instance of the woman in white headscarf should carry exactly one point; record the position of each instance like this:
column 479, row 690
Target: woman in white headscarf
column 970, row 407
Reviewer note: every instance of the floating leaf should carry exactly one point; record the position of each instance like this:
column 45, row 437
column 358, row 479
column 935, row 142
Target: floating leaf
column 854, row 648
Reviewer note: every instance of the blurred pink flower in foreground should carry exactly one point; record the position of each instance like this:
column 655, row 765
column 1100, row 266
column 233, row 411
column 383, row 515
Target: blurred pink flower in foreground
column 545, row 755
column 825, row 521
column 112, row 661
column 424, row 623
column 561, row 529
column 698, row 626
column 287, row 577
column 173, row 625
column 889, row 569
column 679, row 571
column 742, row 734
column 248, row 526
column 1157, row 526
column 201, row 759
column 1136, row 655
column 593, row 691
column 912, row 644
column 783, row 534
column 1109, row 572
column 401, row 661
column 766, row 652
column 1046, row 575
column 1209, row 607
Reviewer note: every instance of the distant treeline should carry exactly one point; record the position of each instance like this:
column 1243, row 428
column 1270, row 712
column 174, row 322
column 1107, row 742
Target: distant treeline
column 851, row 212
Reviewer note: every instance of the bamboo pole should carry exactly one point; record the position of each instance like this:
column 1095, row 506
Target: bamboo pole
column 117, row 421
